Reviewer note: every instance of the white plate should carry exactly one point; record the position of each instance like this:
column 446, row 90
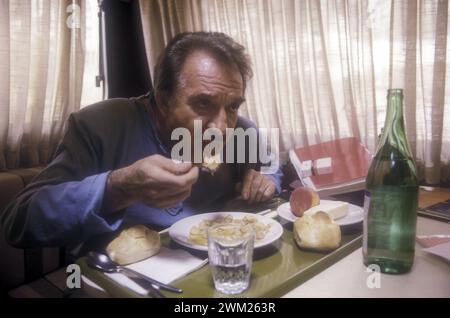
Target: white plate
column 355, row 214
column 179, row 231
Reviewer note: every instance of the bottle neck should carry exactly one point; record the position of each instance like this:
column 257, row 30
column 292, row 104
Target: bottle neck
column 394, row 134
column 394, row 115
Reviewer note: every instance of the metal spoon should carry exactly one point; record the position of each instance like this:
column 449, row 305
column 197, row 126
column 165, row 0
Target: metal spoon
column 105, row 264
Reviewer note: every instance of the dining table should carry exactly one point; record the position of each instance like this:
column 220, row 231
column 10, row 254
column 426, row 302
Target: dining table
column 283, row 270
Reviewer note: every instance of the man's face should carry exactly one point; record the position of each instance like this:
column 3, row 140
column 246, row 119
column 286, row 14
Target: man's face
column 207, row 90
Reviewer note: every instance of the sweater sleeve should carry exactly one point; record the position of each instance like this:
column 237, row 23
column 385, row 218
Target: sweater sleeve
column 275, row 173
column 63, row 204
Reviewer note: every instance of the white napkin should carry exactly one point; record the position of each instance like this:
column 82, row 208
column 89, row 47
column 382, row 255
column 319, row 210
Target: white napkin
column 166, row 266
column 442, row 250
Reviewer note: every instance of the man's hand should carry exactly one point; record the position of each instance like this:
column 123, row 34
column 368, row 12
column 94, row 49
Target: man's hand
column 155, row 180
column 257, row 187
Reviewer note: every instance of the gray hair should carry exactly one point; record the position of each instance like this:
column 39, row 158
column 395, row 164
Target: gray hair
column 220, row 45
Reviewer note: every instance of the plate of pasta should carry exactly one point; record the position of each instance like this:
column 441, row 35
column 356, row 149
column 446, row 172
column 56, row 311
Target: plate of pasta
column 192, row 231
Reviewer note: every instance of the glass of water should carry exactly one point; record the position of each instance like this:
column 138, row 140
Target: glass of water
column 230, row 251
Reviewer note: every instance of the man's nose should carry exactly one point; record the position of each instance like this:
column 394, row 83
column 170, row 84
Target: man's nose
column 219, row 121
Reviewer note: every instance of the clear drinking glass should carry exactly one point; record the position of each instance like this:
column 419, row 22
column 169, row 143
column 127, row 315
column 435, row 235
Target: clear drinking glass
column 230, row 251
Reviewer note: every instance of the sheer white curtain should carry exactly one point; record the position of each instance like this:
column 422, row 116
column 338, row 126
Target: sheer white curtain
column 322, row 68
column 41, row 76
column 163, row 19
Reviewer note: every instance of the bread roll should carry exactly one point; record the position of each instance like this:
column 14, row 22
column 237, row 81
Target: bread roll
column 317, row 232
column 133, row 245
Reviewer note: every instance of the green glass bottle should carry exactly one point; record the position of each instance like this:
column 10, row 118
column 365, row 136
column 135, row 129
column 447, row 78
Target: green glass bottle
column 391, row 196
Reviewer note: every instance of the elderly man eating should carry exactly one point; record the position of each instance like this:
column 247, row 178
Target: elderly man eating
column 114, row 167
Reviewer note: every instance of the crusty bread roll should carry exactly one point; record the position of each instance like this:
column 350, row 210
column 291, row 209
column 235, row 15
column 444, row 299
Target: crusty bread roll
column 134, row 244
column 317, row 232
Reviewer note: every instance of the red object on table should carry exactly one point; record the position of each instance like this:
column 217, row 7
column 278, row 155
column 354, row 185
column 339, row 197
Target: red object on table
column 350, row 162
